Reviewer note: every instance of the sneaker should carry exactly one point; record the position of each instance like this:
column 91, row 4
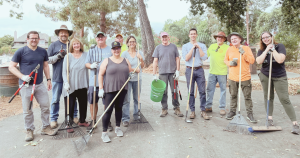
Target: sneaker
column 230, row 115
column 251, row 118
column 270, row 122
column 119, row 132
column 53, row 124
column 48, row 131
column 85, row 124
column 208, row 109
column 222, row 112
column 91, row 126
column 76, row 120
column 193, row 115
column 110, row 128
column 296, row 129
column 29, row 135
column 105, row 137
column 164, row 113
column 126, row 124
column 177, row 112
column 204, row 115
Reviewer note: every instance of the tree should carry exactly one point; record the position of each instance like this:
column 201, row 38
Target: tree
column 291, row 11
column 6, row 40
column 16, row 4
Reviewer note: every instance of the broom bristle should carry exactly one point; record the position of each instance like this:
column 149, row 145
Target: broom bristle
column 81, row 143
column 63, row 133
column 140, row 124
column 238, row 125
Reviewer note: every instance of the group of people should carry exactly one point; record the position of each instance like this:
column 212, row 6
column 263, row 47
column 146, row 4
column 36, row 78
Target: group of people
column 111, row 67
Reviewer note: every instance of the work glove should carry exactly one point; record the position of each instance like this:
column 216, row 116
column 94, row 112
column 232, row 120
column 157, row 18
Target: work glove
column 241, row 50
column 155, row 78
column 66, row 86
column 26, row 78
column 101, row 93
column 94, row 65
column 61, row 54
column 176, row 77
column 233, row 63
column 131, row 75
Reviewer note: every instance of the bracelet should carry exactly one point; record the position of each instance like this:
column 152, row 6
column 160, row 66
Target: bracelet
column 49, row 79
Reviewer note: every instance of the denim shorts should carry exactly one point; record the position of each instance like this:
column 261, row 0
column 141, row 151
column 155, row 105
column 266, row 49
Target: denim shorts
column 91, row 93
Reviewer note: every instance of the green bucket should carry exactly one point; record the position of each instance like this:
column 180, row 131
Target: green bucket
column 157, row 90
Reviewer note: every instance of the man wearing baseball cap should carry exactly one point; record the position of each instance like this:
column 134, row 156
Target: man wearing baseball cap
column 232, row 60
column 166, row 56
column 217, row 72
column 94, row 58
column 119, row 38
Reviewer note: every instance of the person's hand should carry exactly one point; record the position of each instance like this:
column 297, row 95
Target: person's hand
column 131, row 75
column 66, row 86
column 176, row 75
column 197, row 46
column 233, row 63
column 61, row 54
column 139, row 56
column 155, row 78
column 241, row 50
column 101, row 93
column 94, row 65
column 26, row 78
column 49, row 85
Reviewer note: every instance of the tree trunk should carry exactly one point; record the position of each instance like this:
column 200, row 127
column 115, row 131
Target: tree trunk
column 143, row 35
column 147, row 31
column 102, row 22
column 82, row 32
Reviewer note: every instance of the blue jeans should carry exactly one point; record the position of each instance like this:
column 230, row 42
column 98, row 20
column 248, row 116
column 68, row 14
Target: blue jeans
column 199, row 78
column 211, row 86
column 56, row 93
column 132, row 86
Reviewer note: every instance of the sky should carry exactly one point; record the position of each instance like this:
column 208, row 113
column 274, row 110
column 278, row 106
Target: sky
column 158, row 12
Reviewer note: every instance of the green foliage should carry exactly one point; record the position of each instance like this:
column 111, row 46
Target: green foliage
column 291, row 11
column 291, row 43
column 6, row 40
column 16, row 4
column 7, row 50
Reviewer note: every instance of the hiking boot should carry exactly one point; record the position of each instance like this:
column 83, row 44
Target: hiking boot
column 251, row 118
column 76, row 120
column 230, row 115
column 126, row 124
column 296, row 129
column 222, row 112
column 193, row 115
column 270, row 122
column 48, row 131
column 164, row 113
column 54, row 124
column 85, row 124
column 208, row 109
column 110, row 128
column 119, row 132
column 105, row 137
column 204, row 115
column 178, row 113
column 29, row 135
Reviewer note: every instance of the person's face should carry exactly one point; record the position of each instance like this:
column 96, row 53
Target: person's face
column 165, row 39
column 131, row 43
column 119, row 39
column 266, row 38
column 116, row 51
column 33, row 40
column 101, row 39
column 63, row 35
column 193, row 35
column 235, row 40
column 76, row 46
column 220, row 40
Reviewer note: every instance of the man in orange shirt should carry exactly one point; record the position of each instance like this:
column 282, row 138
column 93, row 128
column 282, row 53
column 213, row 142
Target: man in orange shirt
column 234, row 69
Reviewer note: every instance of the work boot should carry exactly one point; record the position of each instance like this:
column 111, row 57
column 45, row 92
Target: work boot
column 222, row 112
column 178, row 113
column 204, row 115
column 76, row 120
column 105, row 137
column 54, row 124
column 164, row 113
column 208, row 109
column 296, row 129
column 110, row 128
column 193, row 115
column 119, row 132
column 270, row 122
column 48, row 131
column 125, row 123
column 251, row 118
column 230, row 115
column 29, row 135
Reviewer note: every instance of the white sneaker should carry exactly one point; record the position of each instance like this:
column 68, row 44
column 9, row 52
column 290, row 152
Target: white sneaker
column 119, row 132
column 105, row 138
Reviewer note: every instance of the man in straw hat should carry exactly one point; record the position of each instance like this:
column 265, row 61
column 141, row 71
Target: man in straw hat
column 217, row 72
column 232, row 60
column 56, row 53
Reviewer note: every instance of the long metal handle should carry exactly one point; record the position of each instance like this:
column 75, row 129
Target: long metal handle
column 240, row 82
column 269, row 84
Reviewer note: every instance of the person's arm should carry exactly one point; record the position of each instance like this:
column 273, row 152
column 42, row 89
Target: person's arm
column 52, row 58
column 226, row 59
column 155, row 62
column 261, row 58
column 189, row 55
column 102, row 72
column 279, row 55
column 203, row 52
column 141, row 60
column 47, row 74
column 130, row 68
column 178, row 63
column 88, row 60
column 248, row 55
column 13, row 69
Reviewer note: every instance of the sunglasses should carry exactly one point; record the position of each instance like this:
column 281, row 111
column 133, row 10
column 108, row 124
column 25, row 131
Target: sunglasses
column 217, row 48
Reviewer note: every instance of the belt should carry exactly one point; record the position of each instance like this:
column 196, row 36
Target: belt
column 195, row 68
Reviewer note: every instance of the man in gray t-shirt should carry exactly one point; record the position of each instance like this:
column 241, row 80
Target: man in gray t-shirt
column 166, row 56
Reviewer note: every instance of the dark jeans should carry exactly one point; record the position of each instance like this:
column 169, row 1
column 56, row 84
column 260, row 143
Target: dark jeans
column 280, row 84
column 81, row 95
column 118, row 104
column 199, row 78
column 168, row 78
column 246, row 89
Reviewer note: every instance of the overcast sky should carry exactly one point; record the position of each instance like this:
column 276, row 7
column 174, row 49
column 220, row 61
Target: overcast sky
column 158, row 12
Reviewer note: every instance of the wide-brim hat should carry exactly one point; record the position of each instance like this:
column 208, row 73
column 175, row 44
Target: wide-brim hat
column 237, row 34
column 220, row 34
column 63, row 27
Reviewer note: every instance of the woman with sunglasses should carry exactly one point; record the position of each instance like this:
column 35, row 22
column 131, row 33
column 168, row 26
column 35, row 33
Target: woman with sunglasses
column 116, row 70
column 278, row 77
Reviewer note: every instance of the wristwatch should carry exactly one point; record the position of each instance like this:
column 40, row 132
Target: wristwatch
column 49, row 79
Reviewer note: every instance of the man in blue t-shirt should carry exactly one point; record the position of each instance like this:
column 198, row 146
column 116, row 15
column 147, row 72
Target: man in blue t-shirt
column 56, row 52
column 28, row 58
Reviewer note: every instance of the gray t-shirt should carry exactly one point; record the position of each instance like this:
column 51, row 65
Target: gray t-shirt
column 96, row 54
column 133, row 62
column 166, row 58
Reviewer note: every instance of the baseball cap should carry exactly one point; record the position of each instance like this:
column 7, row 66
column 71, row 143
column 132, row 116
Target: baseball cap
column 163, row 34
column 115, row 44
column 99, row 32
column 119, row 35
